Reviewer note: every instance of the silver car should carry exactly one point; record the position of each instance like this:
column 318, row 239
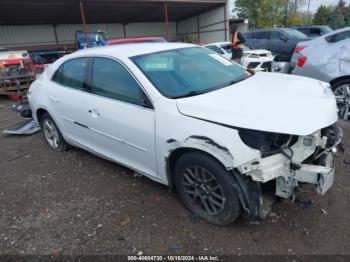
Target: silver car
column 327, row 58
column 324, row 40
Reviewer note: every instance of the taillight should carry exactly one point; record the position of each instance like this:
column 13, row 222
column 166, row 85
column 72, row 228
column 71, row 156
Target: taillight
column 299, row 48
column 301, row 61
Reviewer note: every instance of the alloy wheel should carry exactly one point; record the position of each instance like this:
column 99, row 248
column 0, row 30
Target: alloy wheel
column 51, row 134
column 342, row 95
column 203, row 189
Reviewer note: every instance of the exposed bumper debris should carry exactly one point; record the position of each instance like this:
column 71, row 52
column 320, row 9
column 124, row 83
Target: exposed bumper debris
column 28, row 128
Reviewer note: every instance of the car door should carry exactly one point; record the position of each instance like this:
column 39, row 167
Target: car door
column 342, row 49
column 121, row 118
column 279, row 46
column 259, row 40
column 67, row 100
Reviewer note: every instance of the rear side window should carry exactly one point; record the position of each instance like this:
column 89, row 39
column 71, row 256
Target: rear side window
column 110, row 79
column 248, row 35
column 275, row 35
column 315, row 32
column 304, row 30
column 338, row 37
column 261, row 35
column 71, row 73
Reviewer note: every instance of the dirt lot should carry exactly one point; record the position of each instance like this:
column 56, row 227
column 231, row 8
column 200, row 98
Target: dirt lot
column 76, row 203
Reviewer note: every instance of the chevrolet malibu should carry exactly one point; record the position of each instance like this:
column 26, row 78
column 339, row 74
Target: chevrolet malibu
column 188, row 118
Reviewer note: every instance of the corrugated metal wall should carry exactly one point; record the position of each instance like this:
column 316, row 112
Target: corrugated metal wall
column 66, row 33
column 14, row 35
column 205, row 28
column 149, row 29
column 44, row 35
column 212, row 25
column 187, row 30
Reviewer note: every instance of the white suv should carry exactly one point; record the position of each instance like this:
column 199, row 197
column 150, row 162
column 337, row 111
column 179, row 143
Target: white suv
column 186, row 117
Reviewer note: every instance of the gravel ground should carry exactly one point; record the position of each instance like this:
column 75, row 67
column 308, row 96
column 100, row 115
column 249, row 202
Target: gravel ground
column 74, row 203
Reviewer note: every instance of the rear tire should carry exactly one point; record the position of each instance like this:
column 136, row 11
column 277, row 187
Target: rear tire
column 52, row 134
column 341, row 91
column 206, row 188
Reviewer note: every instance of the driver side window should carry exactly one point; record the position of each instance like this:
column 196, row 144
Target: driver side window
column 275, row 35
column 111, row 79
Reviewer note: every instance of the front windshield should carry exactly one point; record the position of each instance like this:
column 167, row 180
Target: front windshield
column 295, row 33
column 227, row 48
column 189, row 71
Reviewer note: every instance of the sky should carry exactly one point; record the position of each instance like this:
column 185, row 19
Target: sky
column 314, row 4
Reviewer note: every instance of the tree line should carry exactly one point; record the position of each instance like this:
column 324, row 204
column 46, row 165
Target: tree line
column 287, row 13
column 335, row 16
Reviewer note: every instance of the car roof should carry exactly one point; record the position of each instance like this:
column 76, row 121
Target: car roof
column 130, row 49
column 266, row 29
column 273, row 29
column 310, row 26
column 135, row 39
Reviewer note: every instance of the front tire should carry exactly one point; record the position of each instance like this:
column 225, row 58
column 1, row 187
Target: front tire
column 52, row 134
column 341, row 91
column 206, row 188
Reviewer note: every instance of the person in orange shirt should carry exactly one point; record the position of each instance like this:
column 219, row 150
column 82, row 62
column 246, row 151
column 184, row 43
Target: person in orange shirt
column 237, row 41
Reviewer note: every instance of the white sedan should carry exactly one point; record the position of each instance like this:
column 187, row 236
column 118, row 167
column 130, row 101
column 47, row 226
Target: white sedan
column 256, row 59
column 186, row 117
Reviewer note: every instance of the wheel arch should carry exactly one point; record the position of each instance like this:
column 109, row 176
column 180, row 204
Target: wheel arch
column 196, row 144
column 39, row 113
column 338, row 79
column 249, row 191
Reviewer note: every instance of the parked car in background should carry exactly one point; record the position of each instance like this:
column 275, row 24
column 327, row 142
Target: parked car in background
column 329, row 62
column 4, row 49
column 258, row 60
column 313, row 31
column 136, row 40
column 280, row 41
column 90, row 39
column 187, row 117
column 14, row 63
column 325, row 40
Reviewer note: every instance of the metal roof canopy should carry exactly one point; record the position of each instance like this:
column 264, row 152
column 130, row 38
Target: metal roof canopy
column 25, row 12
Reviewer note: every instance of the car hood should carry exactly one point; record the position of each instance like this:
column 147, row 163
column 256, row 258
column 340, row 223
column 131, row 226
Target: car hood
column 267, row 102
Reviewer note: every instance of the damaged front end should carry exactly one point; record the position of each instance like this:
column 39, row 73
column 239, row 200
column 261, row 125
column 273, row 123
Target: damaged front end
column 292, row 160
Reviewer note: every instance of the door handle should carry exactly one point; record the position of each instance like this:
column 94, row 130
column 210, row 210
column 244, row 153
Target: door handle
column 54, row 99
column 94, row 112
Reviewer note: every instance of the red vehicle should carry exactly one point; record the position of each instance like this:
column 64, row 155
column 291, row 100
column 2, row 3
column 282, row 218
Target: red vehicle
column 14, row 64
column 136, row 40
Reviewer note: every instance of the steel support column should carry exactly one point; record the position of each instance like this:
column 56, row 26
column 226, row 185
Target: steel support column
column 166, row 24
column 84, row 22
